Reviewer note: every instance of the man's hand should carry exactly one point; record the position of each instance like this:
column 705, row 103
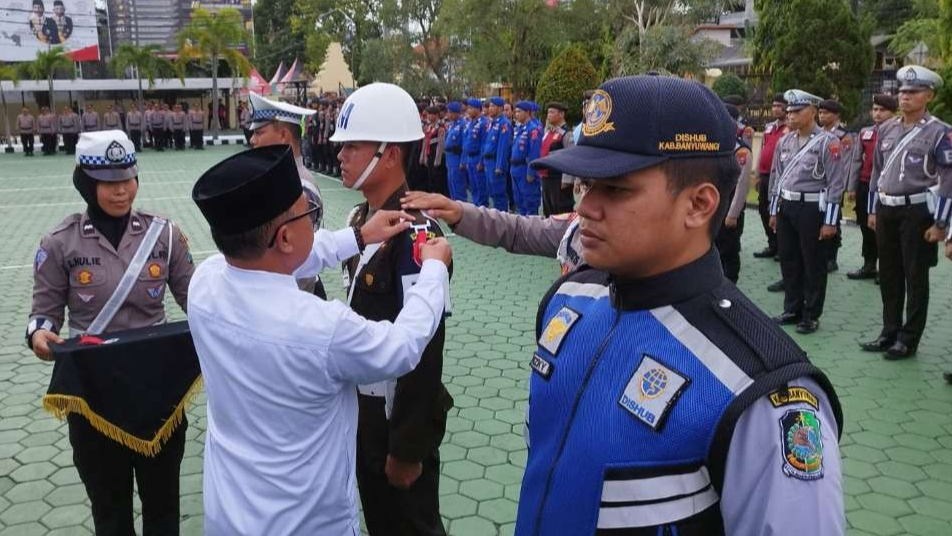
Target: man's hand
column 437, row 248
column 401, row 474
column 730, row 223
column 480, row 167
column 935, row 235
column 41, row 343
column 827, row 232
column 530, row 178
column 436, row 205
column 462, row 167
column 384, row 224
column 871, row 221
column 773, row 223
column 498, row 172
column 851, row 196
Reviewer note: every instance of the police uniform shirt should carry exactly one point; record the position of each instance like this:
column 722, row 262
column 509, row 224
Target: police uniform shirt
column 924, row 160
column 111, row 121
column 47, row 123
column 26, row 124
column 176, row 121
column 134, row 121
column 76, row 267
column 90, row 121
column 158, row 120
column 745, row 138
column 196, row 119
column 693, row 413
column 69, row 123
column 819, row 165
column 281, row 368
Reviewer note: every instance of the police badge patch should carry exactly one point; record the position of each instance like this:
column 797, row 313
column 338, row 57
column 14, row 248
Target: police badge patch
column 41, row 256
column 801, row 445
column 557, row 328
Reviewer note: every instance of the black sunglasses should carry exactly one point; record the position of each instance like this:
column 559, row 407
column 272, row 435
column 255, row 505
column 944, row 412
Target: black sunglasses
column 312, row 208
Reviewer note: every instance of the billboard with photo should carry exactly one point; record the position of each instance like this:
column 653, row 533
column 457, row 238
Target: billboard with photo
column 28, row 26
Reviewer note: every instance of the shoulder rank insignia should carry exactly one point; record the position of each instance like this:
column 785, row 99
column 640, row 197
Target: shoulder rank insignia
column 801, row 445
column 652, row 391
column 742, row 155
column 558, row 327
column 793, row 395
column 834, row 148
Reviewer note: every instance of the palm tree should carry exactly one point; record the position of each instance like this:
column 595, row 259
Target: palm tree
column 212, row 38
column 144, row 60
column 11, row 73
column 45, row 66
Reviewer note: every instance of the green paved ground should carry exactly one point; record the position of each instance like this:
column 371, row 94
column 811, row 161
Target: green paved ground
column 897, row 441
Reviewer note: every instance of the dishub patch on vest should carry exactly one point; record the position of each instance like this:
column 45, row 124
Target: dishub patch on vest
column 557, row 329
column 652, row 391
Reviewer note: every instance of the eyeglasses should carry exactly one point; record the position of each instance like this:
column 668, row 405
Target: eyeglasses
column 312, row 208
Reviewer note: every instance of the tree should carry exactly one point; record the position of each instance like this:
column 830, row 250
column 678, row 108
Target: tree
column 663, row 48
column 565, row 79
column 45, row 66
column 931, row 25
column 354, row 22
column 887, row 15
column 11, row 73
column 145, row 62
column 275, row 41
column 213, row 38
column 730, row 84
column 786, row 46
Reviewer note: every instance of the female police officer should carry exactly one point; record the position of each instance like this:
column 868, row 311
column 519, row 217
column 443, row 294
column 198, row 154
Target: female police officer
column 79, row 265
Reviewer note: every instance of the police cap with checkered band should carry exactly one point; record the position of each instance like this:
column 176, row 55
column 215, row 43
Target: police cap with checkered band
column 107, row 155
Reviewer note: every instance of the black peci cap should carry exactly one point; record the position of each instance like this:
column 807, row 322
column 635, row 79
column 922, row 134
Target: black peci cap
column 886, row 101
column 249, row 189
column 636, row 122
column 558, row 106
column 831, row 105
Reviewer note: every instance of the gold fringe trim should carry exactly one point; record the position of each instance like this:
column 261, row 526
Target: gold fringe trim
column 62, row 405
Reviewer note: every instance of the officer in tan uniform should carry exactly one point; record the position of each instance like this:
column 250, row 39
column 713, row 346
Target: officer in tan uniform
column 46, row 124
column 26, row 127
column 111, row 120
column 69, row 128
column 90, row 121
column 177, row 124
column 79, row 266
column 196, row 128
column 910, row 202
column 134, row 123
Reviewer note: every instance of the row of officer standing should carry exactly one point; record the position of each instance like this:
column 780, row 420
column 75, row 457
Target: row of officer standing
column 898, row 171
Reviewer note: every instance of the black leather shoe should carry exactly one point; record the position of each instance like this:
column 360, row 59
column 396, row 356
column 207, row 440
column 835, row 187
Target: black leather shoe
column 786, row 319
column 947, row 376
column 866, row 272
column 808, row 326
column 899, row 351
column 881, row 344
column 831, row 266
column 765, row 253
column 775, row 287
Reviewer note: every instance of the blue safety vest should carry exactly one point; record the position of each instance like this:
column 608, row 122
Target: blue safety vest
column 633, row 401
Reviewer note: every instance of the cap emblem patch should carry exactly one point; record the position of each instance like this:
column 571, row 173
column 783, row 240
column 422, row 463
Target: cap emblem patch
column 115, row 153
column 597, row 113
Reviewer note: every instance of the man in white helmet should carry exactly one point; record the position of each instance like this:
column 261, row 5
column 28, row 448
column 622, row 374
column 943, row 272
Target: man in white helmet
column 401, row 422
column 279, row 123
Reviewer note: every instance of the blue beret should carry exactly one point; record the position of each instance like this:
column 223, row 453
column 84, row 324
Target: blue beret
column 497, row 101
column 525, row 106
column 535, row 107
column 454, row 107
column 475, row 103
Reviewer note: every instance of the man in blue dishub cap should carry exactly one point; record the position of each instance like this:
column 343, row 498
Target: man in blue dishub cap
column 662, row 400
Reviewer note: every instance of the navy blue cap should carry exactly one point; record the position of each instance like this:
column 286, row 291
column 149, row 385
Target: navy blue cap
column 497, row 101
column 454, row 107
column 525, row 106
column 475, row 103
column 636, row 122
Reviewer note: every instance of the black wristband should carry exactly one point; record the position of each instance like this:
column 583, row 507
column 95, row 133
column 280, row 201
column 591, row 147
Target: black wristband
column 359, row 236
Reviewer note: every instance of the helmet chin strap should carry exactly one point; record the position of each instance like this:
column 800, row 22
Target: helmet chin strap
column 370, row 167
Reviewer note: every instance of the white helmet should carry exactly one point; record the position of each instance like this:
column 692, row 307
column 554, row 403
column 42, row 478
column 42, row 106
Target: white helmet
column 378, row 112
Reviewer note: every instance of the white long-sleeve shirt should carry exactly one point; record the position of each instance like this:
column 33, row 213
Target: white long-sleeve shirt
column 281, row 368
